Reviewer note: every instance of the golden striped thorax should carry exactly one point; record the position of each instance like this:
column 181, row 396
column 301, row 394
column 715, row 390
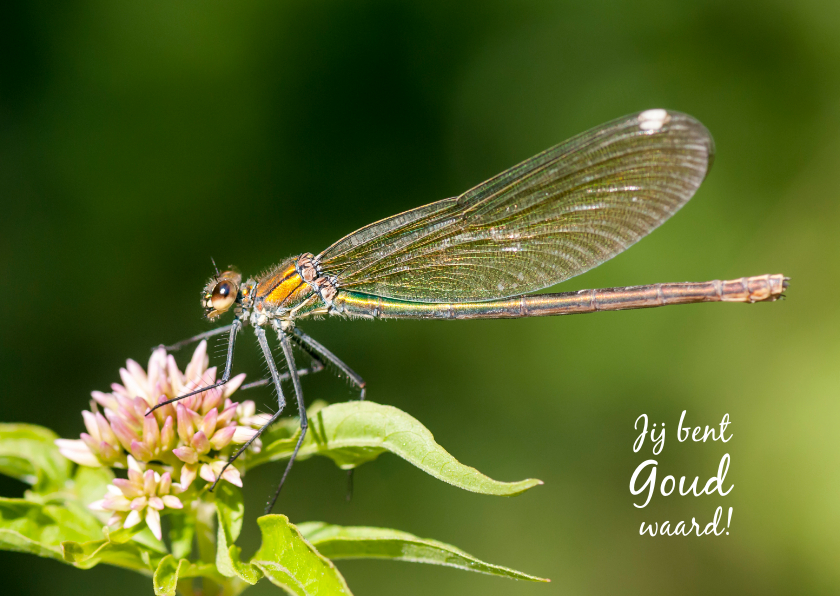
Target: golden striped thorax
column 281, row 288
column 293, row 289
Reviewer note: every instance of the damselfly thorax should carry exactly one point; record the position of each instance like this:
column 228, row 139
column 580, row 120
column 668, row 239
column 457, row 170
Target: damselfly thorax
column 294, row 289
column 483, row 254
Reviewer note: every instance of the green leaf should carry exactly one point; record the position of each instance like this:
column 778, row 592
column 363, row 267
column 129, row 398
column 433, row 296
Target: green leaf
column 291, row 563
column 337, row 542
column 69, row 533
column 129, row 554
column 356, row 432
column 28, row 453
column 170, row 570
column 284, row 557
column 61, row 527
column 167, row 573
column 24, row 527
column 39, row 529
column 230, row 509
column 244, row 571
column 288, row 428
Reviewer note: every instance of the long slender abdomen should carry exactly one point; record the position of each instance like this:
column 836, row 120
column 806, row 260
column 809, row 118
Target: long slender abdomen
column 761, row 288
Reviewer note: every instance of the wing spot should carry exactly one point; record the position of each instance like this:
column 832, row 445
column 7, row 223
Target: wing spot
column 653, row 120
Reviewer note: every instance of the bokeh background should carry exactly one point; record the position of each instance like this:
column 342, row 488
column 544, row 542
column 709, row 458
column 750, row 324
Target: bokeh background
column 137, row 140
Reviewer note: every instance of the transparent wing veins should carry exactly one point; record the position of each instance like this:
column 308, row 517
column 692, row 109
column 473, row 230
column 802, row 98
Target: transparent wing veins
column 541, row 222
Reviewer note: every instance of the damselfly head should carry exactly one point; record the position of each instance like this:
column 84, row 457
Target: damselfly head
column 220, row 293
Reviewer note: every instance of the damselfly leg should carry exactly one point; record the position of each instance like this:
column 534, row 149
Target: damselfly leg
column 315, row 348
column 317, row 353
column 304, row 423
column 234, row 329
column 242, row 449
column 185, row 342
column 315, row 366
column 281, row 400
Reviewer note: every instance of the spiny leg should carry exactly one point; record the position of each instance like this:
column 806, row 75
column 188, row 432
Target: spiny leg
column 281, row 401
column 234, row 329
column 185, row 342
column 314, row 348
column 315, row 367
column 242, row 449
column 304, row 423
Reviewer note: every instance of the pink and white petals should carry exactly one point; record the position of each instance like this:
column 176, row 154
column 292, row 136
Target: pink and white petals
column 188, row 439
column 141, row 497
column 78, row 451
column 211, row 471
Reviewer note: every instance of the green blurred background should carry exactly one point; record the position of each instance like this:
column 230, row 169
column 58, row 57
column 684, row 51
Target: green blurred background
column 139, row 139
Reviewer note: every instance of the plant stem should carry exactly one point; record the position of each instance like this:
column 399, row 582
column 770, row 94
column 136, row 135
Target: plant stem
column 205, row 534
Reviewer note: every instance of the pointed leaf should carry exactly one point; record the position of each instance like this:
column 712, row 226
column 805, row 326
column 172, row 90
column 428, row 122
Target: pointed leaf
column 28, row 453
column 291, row 563
column 356, row 432
column 337, row 542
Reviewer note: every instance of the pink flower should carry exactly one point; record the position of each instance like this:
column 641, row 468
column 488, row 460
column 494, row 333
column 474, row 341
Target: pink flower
column 194, row 436
column 141, row 497
column 77, row 451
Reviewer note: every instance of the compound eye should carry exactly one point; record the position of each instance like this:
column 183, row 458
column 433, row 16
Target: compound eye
column 224, row 295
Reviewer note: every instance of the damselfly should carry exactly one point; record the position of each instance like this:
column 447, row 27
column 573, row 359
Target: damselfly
column 479, row 255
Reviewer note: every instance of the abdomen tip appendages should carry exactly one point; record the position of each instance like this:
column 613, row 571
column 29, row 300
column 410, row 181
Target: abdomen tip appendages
column 760, row 288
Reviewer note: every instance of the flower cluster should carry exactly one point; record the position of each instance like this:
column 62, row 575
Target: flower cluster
column 142, row 497
column 189, row 438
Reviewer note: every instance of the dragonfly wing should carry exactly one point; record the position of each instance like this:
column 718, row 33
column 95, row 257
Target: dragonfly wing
column 541, row 222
